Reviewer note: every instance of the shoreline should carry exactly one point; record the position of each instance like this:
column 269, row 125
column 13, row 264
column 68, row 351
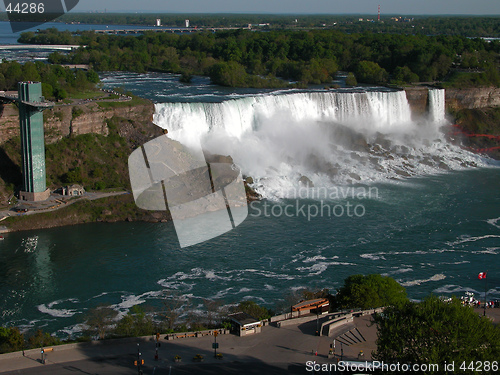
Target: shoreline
column 114, row 207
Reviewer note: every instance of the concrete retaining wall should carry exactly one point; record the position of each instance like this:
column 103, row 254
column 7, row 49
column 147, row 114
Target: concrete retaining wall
column 304, row 319
column 329, row 326
column 208, row 332
column 36, row 352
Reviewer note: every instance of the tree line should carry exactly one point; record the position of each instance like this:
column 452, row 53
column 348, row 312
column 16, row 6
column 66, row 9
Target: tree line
column 240, row 58
column 467, row 26
column 57, row 81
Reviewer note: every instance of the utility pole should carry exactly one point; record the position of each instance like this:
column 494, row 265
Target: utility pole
column 317, row 321
column 42, row 351
column 156, row 347
column 215, row 345
column 139, row 361
column 485, row 293
column 482, row 275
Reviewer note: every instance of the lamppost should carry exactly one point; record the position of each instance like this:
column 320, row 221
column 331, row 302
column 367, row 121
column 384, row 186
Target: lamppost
column 317, row 321
column 156, row 345
column 215, row 345
column 139, row 361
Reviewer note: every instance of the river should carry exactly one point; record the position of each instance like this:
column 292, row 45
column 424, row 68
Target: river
column 416, row 208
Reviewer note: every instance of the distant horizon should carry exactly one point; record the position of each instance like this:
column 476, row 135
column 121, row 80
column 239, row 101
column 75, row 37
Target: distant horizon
column 326, row 7
column 489, row 15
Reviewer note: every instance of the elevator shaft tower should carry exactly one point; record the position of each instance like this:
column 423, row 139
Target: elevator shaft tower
column 31, row 105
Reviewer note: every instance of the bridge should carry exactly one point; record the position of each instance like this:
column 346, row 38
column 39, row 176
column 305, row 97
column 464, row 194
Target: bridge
column 60, row 47
column 165, row 30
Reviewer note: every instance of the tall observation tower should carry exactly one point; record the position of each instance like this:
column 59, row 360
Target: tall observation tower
column 31, row 105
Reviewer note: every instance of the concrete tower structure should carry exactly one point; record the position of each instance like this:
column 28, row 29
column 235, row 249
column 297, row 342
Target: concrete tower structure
column 31, row 105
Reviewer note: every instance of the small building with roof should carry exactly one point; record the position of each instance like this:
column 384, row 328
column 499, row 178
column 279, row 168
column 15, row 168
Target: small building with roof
column 73, row 190
column 311, row 306
column 245, row 324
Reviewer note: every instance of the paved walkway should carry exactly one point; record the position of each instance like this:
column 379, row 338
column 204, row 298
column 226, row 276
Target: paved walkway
column 274, row 351
column 277, row 351
column 55, row 202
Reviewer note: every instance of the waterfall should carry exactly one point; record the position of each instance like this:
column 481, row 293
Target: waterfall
column 329, row 137
column 187, row 122
column 437, row 108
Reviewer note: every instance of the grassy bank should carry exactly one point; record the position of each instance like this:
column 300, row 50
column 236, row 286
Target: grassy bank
column 111, row 209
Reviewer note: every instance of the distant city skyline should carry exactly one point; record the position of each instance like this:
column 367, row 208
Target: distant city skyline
column 403, row 7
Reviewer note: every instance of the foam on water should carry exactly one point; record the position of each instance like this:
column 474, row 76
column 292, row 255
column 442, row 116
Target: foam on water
column 332, row 138
column 473, row 239
column 397, row 271
column 436, row 277
column 495, row 222
column 58, row 313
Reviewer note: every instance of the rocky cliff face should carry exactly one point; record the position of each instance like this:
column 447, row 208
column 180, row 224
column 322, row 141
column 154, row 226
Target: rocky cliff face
column 9, row 122
column 62, row 121
column 418, row 99
column 471, row 98
column 66, row 120
column 456, row 99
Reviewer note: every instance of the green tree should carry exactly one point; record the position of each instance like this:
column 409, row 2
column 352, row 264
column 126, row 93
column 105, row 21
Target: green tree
column 351, row 79
column 434, row 331
column 11, row 340
column 99, row 321
column 253, row 309
column 229, row 73
column 47, row 90
column 174, row 305
column 92, row 76
column 404, row 75
column 370, row 291
column 41, row 338
column 135, row 323
column 60, row 94
column 370, row 72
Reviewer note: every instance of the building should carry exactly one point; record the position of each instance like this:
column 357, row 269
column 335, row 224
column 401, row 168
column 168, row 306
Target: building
column 312, row 306
column 245, row 324
column 187, row 23
column 158, row 22
column 31, row 105
column 73, row 190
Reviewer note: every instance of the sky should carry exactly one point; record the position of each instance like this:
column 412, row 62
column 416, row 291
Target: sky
column 403, row 7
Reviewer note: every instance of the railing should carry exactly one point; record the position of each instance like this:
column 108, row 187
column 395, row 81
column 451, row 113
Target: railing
column 208, row 332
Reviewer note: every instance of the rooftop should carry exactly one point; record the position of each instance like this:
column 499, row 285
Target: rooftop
column 243, row 318
column 318, row 302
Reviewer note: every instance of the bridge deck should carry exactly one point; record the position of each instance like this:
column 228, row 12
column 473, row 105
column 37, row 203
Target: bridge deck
column 15, row 98
column 39, row 46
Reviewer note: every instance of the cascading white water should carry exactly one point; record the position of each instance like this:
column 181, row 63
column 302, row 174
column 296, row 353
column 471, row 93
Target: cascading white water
column 437, row 109
column 328, row 137
column 187, row 122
